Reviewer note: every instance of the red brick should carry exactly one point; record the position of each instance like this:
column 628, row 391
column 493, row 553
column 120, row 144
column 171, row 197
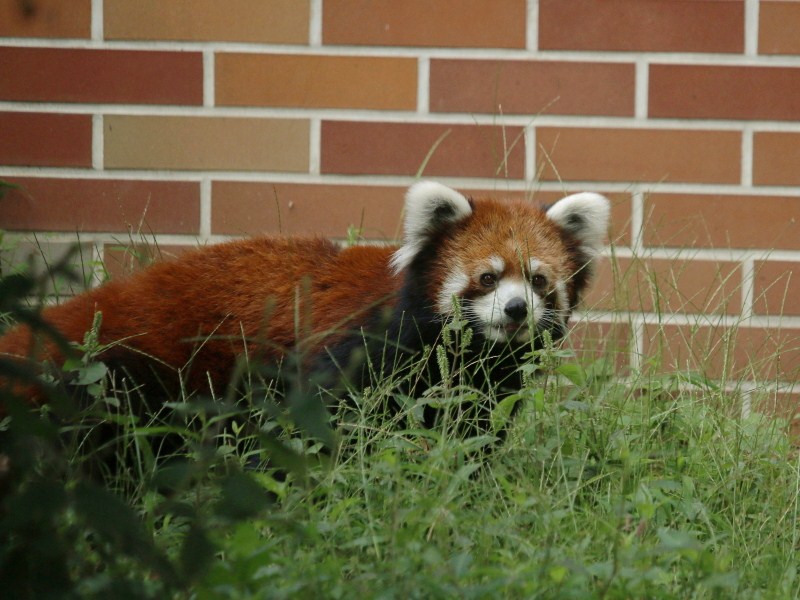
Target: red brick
column 776, row 156
column 103, row 76
column 44, row 139
column 666, row 286
column 350, row 147
column 315, row 81
column 593, row 341
column 778, row 24
column 726, row 353
column 247, row 208
column 584, row 154
column 46, row 18
column 777, row 288
column 720, row 221
column 642, row 25
column 449, row 23
column 784, row 405
column 79, row 205
column 531, row 87
column 724, row 92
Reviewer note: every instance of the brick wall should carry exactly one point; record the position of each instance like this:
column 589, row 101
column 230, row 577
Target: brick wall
column 171, row 122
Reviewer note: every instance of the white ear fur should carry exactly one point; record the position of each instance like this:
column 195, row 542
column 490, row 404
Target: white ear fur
column 429, row 206
column 585, row 216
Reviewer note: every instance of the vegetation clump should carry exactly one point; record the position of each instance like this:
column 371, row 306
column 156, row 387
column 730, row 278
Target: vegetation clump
column 604, row 487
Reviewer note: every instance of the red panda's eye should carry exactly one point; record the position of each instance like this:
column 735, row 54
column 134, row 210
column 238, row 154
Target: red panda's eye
column 538, row 281
column 488, row 279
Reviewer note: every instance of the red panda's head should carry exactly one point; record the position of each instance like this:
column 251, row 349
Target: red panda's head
column 514, row 268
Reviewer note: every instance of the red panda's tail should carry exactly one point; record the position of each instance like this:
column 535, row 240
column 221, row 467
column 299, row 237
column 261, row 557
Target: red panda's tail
column 23, row 348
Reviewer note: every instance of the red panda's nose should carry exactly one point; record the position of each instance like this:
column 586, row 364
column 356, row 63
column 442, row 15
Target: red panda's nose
column 516, row 308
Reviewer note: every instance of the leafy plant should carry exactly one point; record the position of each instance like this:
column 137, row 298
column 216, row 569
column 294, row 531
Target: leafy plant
column 88, row 490
column 648, row 485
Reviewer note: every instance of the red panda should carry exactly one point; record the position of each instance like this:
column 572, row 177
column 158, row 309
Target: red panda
column 511, row 270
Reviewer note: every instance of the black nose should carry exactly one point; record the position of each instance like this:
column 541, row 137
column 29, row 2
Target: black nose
column 516, row 308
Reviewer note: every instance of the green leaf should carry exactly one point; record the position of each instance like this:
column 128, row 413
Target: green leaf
column 91, row 373
column 501, row 414
column 558, row 573
column 572, row 372
column 110, row 517
column 674, row 539
column 174, row 476
column 197, row 552
column 576, row 405
column 310, row 414
column 242, row 497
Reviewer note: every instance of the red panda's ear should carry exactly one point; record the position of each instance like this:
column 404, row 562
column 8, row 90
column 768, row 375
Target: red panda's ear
column 429, row 207
column 586, row 217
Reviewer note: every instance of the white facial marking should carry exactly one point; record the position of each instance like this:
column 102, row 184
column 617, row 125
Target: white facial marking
column 497, row 264
column 489, row 310
column 454, row 285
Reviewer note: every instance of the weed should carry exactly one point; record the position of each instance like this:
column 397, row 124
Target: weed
column 644, row 485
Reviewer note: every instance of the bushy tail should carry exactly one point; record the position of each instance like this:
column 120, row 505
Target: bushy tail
column 41, row 338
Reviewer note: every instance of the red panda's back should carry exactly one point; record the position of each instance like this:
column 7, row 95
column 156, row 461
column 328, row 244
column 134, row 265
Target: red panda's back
column 199, row 312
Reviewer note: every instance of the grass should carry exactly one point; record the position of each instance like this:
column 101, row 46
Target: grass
column 643, row 486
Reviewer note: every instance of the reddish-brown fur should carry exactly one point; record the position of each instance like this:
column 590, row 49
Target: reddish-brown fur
column 203, row 310
column 264, row 296
column 513, row 232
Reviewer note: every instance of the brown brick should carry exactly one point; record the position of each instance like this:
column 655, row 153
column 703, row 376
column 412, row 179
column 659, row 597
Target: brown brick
column 642, row 26
column 107, row 76
column 666, row 286
column 81, row 205
column 531, row 87
column 44, row 139
column 723, row 352
column 724, row 92
column 128, row 257
column 778, row 24
column 775, row 158
column 777, row 288
column 314, row 81
column 247, row 208
column 448, row 23
column 350, row 147
column 46, row 19
column 583, row 154
column 719, row 221
column 146, row 142
column 592, row 341
column 261, row 21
